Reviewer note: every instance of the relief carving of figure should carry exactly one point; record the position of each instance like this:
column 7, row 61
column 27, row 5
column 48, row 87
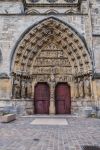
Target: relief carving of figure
column 29, row 89
column 81, row 88
column 23, row 89
column 16, row 92
column 87, row 87
column 76, row 89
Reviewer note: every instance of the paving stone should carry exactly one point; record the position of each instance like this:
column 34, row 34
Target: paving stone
column 24, row 136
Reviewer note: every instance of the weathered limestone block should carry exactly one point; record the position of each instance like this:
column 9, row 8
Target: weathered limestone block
column 8, row 118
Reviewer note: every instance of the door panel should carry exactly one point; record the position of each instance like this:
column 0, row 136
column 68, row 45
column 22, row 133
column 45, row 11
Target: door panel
column 41, row 98
column 60, row 107
column 62, row 98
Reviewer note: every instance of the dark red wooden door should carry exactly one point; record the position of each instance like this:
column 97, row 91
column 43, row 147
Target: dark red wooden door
column 63, row 98
column 42, row 98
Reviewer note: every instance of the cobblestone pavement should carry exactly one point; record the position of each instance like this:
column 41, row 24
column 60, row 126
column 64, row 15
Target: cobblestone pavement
column 21, row 135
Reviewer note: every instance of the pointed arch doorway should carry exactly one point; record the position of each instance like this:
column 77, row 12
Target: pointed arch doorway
column 62, row 98
column 51, row 47
column 41, row 98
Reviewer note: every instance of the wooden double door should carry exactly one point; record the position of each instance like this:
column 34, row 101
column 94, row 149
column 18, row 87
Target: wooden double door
column 42, row 98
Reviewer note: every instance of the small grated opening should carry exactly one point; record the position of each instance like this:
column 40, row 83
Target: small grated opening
column 90, row 148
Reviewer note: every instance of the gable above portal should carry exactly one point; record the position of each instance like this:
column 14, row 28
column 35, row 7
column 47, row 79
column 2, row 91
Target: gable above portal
column 44, row 7
column 55, row 6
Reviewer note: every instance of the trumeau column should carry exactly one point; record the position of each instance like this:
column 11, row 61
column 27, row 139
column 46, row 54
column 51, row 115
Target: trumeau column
column 52, row 98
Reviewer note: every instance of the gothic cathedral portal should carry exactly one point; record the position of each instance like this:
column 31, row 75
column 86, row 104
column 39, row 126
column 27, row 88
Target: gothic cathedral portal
column 51, row 68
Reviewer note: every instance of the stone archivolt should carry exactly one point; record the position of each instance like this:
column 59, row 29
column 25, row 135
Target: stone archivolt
column 52, row 51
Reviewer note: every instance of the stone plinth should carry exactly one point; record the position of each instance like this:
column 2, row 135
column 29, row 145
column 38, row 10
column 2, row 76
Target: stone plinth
column 8, row 118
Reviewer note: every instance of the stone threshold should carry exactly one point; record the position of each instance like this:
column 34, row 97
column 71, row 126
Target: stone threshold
column 50, row 116
column 49, row 121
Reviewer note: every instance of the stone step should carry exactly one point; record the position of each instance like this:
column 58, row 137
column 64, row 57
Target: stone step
column 49, row 116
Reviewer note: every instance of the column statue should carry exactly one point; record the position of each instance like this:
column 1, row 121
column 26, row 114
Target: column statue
column 76, row 89
column 81, row 88
column 23, row 89
column 87, row 87
column 29, row 89
column 16, row 92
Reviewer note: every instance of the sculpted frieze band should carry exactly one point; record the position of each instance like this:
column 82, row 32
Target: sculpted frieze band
column 51, row 53
column 51, row 62
column 48, row 70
